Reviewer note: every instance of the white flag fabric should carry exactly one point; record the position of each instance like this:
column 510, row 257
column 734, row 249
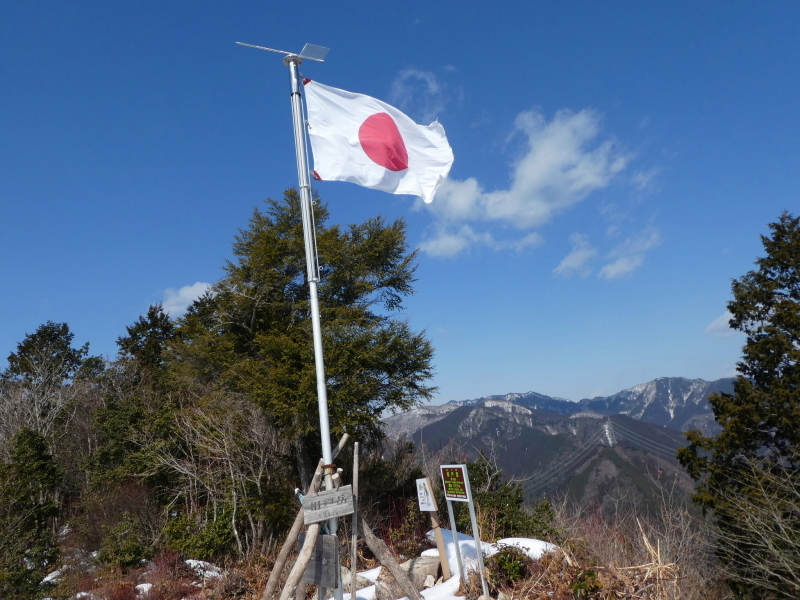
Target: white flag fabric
column 362, row 140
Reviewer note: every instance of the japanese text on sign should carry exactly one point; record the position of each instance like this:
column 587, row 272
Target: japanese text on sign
column 328, row 504
column 454, row 481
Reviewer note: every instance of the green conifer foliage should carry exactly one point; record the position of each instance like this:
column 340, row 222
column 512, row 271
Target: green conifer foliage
column 252, row 333
column 147, row 338
column 46, row 354
column 28, row 506
column 760, row 439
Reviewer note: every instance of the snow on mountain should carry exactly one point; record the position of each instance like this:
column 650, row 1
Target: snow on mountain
column 675, row 402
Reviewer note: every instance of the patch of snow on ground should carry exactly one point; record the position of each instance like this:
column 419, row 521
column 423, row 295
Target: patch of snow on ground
column 204, row 569
column 444, row 591
column 54, row 577
column 466, row 544
column 143, row 589
column 367, row 593
column 532, row 548
column 372, row 574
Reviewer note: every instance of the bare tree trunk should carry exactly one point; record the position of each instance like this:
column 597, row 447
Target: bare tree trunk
column 302, row 465
column 386, row 558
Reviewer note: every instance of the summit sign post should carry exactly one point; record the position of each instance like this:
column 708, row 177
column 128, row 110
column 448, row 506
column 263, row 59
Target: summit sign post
column 455, row 481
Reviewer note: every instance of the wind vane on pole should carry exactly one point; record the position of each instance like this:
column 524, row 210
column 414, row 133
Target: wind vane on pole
column 293, row 61
column 309, row 51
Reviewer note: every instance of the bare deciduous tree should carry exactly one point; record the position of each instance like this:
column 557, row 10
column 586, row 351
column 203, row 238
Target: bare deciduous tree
column 230, row 458
column 765, row 543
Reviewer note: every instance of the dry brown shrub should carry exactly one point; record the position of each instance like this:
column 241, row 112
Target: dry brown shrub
column 618, row 552
column 667, row 554
column 562, row 576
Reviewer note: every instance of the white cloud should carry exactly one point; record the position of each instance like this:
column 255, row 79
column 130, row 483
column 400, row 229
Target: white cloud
column 629, row 256
column 574, row 263
column 177, row 301
column 419, row 93
column 562, row 164
column 719, row 327
column 448, row 242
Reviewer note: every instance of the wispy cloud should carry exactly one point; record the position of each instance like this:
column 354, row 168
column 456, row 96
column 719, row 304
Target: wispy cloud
column 629, row 256
column 447, row 242
column 719, row 327
column 645, row 180
column 418, row 93
column 564, row 160
column 574, row 263
column 176, row 301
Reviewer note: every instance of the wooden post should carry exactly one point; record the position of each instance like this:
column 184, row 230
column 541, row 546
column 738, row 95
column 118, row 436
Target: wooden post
column 427, row 503
column 437, row 533
column 288, row 545
column 354, row 525
column 301, row 563
column 386, row 558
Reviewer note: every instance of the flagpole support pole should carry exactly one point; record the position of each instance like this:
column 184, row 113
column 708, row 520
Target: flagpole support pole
column 293, row 61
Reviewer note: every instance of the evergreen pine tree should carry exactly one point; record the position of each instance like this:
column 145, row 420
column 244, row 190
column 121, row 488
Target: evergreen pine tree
column 759, row 444
column 147, row 338
column 252, row 333
column 28, row 505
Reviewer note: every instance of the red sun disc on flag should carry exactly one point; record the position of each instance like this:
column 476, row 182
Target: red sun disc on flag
column 381, row 140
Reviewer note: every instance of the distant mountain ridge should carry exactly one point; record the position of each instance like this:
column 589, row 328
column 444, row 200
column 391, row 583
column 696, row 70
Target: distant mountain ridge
column 675, row 402
column 595, row 449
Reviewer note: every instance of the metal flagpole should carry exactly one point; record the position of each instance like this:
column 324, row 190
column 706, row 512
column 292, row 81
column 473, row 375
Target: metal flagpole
column 293, row 61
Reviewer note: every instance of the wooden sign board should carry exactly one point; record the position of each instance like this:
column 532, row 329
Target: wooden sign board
column 323, row 570
column 328, row 504
column 456, row 483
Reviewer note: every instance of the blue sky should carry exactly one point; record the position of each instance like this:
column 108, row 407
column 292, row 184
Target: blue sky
column 615, row 165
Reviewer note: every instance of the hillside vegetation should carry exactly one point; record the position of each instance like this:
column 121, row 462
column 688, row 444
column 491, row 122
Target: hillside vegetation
column 170, row 471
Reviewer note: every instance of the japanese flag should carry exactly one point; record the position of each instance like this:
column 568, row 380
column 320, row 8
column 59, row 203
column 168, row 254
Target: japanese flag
column 365, row 141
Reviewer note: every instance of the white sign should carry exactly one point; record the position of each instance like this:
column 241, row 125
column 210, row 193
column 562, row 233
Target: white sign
column 427, row 503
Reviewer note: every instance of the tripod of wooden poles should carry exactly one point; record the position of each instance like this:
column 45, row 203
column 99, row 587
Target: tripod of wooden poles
column 360, row 527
